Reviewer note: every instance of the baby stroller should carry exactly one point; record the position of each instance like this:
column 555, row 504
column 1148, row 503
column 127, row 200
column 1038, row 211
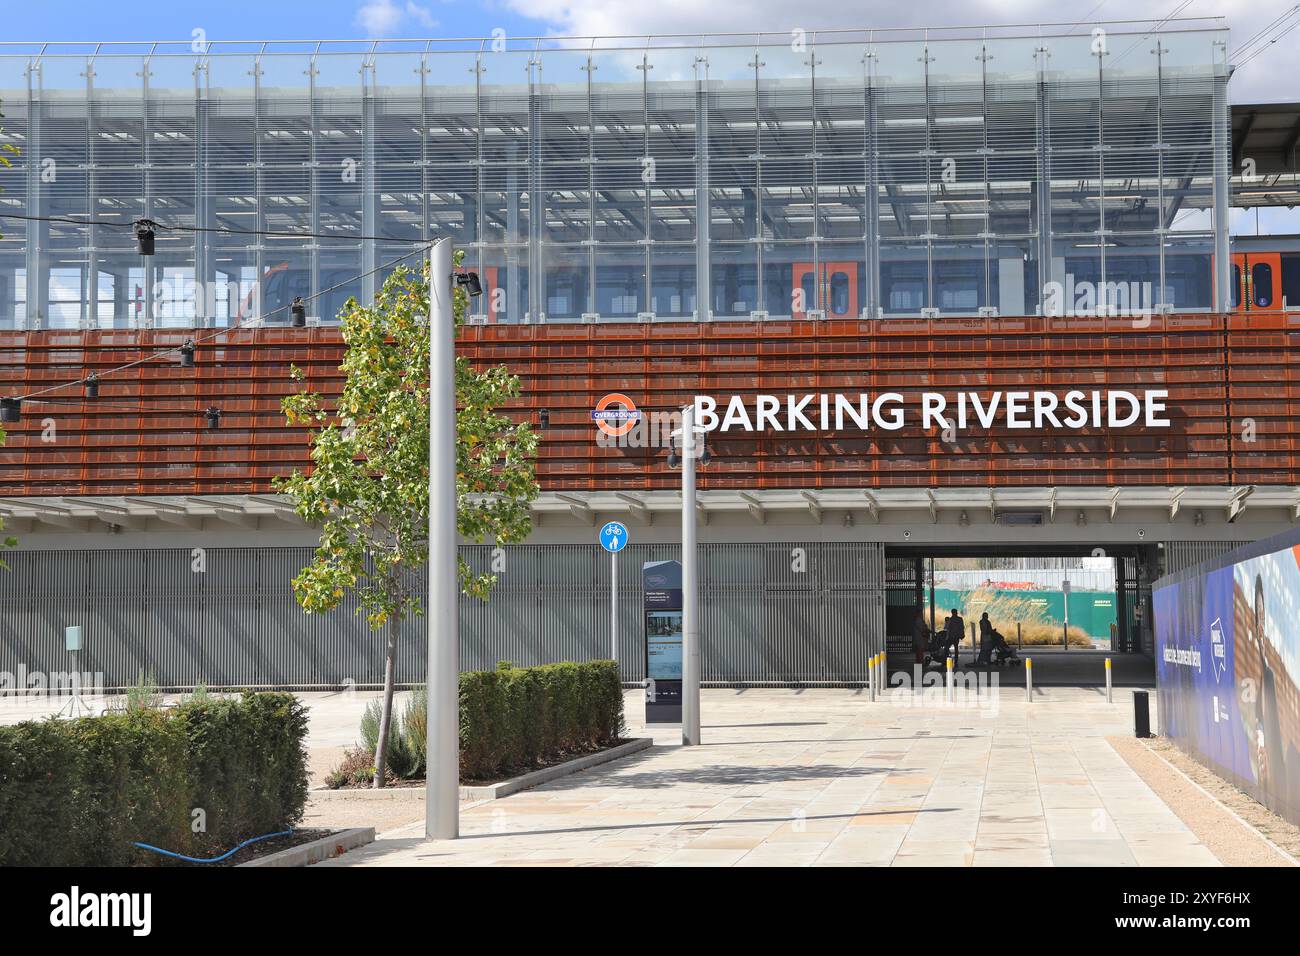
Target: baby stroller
column 936, row 650
column 1003, row 653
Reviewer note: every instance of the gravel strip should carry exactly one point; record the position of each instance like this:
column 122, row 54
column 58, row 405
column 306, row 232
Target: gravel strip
column 1232, row 842
column 341, row 813
column 1286, row 835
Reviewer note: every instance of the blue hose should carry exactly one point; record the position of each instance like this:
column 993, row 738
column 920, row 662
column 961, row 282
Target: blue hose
column 215, row 859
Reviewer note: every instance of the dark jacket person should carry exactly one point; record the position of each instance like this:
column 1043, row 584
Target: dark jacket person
column 954, row 630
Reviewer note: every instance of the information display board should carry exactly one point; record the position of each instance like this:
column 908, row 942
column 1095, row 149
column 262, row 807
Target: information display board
column 663, row 641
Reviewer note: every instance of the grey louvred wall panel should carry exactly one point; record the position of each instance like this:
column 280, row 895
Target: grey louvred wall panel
column 1185, row 554
column 237, row 623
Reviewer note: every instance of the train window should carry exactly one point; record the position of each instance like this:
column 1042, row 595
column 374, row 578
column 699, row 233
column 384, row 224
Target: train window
column 958, row 286
column 809, row 292
column 1261, row 285
column 1236, row 286
column 1290, row 281
column 903, row 286
column 839, row 293
column 907, row 295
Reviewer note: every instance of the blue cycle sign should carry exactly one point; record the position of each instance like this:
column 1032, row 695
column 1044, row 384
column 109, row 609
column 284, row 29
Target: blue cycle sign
column 613, row 537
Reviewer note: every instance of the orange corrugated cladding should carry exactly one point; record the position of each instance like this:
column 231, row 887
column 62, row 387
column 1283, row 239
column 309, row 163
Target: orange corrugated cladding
column 1223, row 373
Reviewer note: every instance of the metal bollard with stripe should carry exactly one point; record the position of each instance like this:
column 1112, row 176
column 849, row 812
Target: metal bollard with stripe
column 871, row 676
column 951, row 684
column 1029, row 680
column 1108, row 684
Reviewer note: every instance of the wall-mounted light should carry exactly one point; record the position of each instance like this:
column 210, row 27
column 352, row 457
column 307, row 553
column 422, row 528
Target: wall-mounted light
column 469, row 282
column 213, row 415
column 299, row 312
column 11, row 409
column 544, row 418
column 963, row 519
column 848, row 519
column 1080, row 518
column 92, row 385
column 187, row 354
column 1199, row 518
column 144, row 236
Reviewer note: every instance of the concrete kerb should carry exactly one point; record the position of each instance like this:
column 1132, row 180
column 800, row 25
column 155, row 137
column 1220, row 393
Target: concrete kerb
column 325, row 848
column 505, row 787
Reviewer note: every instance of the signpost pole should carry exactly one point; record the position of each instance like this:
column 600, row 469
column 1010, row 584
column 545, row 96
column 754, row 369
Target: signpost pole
column 613, row 538
column 613, row 606
column 1065, row 586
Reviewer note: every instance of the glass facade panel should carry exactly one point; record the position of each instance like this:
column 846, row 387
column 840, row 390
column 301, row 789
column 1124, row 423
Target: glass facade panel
column 612, row 180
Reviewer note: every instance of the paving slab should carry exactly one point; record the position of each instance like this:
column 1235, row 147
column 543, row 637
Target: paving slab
column 826, row 777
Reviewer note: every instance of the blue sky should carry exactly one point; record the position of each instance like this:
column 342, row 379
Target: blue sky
column 1269, row 77
column 256, row 19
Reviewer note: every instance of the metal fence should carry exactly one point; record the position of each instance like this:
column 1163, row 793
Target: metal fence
column 783, row 613
column 1185, row 554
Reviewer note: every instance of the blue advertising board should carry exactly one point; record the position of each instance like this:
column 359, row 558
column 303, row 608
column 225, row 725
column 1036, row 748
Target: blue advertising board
column 1227, row 639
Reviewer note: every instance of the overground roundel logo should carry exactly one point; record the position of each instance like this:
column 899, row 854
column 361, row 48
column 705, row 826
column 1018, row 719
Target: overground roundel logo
column 615, row 414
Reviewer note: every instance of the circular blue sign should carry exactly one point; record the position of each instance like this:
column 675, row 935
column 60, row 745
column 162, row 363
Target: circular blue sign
column 613, row 536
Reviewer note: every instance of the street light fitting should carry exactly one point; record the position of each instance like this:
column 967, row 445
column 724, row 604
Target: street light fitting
column 469, row 282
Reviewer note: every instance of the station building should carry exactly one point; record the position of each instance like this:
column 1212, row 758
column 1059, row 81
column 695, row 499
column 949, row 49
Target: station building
column 990, row 212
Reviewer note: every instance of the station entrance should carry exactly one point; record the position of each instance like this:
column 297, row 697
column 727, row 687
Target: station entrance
column 1069, row 608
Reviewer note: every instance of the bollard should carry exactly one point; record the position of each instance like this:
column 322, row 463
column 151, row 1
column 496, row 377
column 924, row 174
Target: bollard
column 871, row 676
column 1029, row 680
column 882, row 669
column 1108, row 694
column 1019, row 643
column 1141, row 714
column 951, row 686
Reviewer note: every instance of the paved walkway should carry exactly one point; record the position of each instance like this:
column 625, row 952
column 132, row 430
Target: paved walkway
column 827, row 777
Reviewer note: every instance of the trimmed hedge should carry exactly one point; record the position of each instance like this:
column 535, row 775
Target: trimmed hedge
column 80, row 792
column 514, row 719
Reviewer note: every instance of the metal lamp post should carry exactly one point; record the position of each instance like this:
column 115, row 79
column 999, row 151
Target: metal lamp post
column 690, row 588
column 442, row 793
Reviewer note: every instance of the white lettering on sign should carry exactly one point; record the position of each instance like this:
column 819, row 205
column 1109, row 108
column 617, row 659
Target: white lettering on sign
column 1040, row 410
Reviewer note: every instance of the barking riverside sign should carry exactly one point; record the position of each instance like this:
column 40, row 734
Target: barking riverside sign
column 1030, row 410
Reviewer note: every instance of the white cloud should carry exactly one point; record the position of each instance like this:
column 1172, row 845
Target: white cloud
column 420, row 15
column 1266, row 78
column 384, row 18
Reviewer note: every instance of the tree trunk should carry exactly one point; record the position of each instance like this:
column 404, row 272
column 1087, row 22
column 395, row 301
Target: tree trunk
column 386, row 714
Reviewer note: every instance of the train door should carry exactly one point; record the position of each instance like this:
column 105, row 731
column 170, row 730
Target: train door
column 1256, row 282
column 838, row 286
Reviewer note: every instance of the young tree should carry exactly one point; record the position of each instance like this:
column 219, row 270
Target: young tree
column 9, row 541
column 368, row 488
